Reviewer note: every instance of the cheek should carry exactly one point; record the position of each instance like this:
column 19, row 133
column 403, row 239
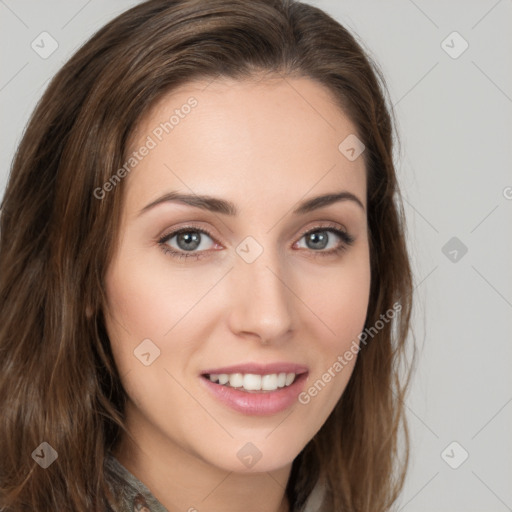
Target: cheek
column 147, row 300
column 146, row 314
column 340, row 303
column 150, row 300
column 349, row 305
column 138, row 309
column 339, row 300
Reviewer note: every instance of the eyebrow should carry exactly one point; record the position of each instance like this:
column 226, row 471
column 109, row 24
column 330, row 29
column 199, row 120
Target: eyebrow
column 217, row 205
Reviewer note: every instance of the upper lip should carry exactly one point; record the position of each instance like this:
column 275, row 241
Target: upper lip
column 259, row 369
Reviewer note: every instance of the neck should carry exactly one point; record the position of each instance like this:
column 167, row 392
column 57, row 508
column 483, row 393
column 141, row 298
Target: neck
column 180, row 480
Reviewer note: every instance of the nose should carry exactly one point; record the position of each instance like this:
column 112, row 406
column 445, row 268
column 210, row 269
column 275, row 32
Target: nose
column 261, row 300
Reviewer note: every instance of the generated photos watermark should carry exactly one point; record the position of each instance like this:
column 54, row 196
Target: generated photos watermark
column 343, row 360
column 157, row 135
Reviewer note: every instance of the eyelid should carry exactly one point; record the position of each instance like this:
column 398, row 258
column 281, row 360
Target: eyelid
column 346, row 239
column 177, row 254
column 190, row 226
column 317, row 225
column 323, row 224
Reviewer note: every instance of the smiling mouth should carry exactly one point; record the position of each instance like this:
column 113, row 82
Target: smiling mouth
column 253, row 383
column 256, row 389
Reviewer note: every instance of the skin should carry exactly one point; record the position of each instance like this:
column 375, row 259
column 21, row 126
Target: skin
column 265, row 144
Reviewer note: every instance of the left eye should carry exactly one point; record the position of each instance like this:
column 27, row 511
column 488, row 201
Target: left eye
column 319, row 239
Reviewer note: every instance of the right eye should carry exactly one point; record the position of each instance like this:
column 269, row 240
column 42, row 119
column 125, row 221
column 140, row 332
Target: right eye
column 188, row 240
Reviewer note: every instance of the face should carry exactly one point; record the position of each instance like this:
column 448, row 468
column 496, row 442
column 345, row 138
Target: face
column 225, row 315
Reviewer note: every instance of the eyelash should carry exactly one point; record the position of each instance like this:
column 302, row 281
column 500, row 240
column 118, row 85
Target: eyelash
column 346, row 241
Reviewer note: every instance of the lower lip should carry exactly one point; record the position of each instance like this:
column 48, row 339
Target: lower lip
column 257, row 403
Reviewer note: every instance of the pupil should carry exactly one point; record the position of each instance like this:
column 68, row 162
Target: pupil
column 320, row 239
column 191, row 241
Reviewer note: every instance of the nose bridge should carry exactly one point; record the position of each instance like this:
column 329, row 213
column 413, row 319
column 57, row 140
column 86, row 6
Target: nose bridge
column 261, row 301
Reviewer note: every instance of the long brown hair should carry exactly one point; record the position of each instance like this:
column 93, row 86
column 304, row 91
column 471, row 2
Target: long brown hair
column 58, row 380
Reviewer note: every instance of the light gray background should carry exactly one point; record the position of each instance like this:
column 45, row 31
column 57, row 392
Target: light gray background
column 455, row 122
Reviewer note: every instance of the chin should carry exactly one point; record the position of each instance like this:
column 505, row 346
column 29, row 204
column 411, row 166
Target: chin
column 256, row 456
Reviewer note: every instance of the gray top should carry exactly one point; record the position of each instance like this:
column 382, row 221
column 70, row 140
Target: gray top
column 130, row 493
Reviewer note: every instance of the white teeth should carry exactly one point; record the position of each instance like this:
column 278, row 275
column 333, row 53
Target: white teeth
column 236, row 380
column 269, row 382
column 253, row 382
column 289, row 378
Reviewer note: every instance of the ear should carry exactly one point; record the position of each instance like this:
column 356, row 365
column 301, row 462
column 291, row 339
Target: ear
column 88, row 311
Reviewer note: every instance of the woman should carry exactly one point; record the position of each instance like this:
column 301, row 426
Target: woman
column 205, row 286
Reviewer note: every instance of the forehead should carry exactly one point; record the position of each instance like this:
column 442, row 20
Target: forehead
column 272, row 137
